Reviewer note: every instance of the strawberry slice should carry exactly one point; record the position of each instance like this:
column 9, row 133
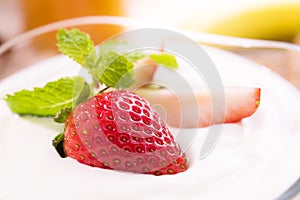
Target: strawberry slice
column 239, row 103
column 119, row 130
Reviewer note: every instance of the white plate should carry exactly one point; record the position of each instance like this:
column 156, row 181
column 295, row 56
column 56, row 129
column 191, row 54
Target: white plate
column 257, row 158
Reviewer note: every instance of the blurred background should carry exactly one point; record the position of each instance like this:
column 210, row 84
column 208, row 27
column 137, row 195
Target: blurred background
column 260, row 19
column 265, row 19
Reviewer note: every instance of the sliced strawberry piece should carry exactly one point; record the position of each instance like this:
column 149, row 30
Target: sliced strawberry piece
column 119, row 130
column 239, row 103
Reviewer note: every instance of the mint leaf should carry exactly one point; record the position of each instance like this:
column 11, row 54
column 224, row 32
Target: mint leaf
column 114, row 70
column 50, row 99
column 76, row 44
column 165, row 59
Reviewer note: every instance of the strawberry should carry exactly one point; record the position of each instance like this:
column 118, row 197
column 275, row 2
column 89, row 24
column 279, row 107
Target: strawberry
column 119, row 130
column 240, row 102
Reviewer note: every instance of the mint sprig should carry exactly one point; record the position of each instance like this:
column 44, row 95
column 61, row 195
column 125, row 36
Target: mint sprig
column 106, row 66
column 50, row 99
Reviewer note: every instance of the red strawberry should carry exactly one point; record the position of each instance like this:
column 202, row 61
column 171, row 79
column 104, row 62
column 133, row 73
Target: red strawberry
column 119, row 130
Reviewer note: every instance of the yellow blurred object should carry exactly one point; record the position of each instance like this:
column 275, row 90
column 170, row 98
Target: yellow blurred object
column 279, row 21
column 41, row 12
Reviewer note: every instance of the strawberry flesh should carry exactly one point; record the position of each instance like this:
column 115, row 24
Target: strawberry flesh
column 119, row 130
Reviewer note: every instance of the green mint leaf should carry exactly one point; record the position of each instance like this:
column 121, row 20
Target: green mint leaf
column 114, row 70
column 165, row 59
column 90, row 61
column 50, row 99
column 77, row 45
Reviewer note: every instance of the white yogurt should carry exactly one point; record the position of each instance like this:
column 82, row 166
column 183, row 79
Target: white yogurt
column 254, row 159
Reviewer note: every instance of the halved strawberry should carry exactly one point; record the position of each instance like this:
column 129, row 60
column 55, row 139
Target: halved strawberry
column 119, row 130
column 194, row 110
